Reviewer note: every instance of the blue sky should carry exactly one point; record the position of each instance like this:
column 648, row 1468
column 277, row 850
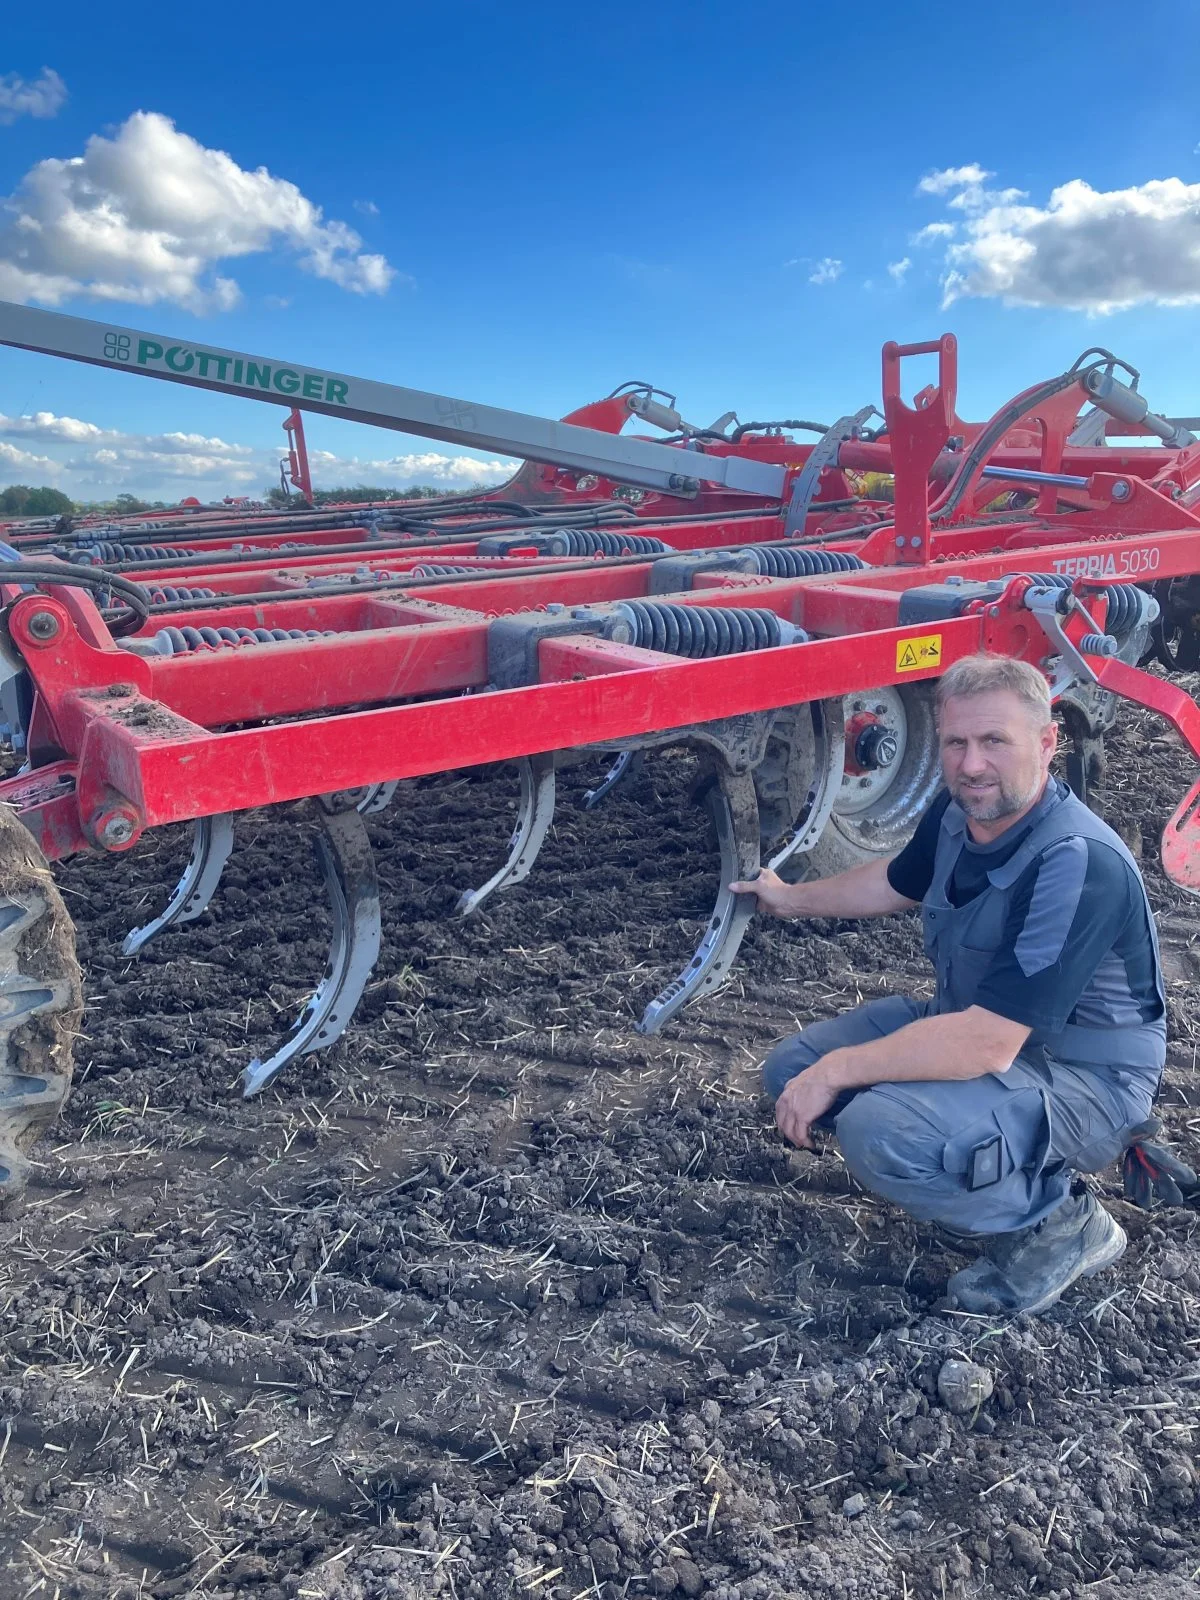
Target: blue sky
column 566, row 198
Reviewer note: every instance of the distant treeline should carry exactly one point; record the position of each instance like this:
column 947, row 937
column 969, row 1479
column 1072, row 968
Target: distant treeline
column 364, row 492
column 22, row 500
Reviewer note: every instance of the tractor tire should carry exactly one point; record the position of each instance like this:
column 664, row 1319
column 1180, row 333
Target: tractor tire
column 41, row 1003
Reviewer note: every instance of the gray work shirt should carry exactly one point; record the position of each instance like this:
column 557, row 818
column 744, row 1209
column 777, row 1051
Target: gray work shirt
column 1048, row 926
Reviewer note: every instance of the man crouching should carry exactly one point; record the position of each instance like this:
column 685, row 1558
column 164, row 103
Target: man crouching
column 1043, row 1048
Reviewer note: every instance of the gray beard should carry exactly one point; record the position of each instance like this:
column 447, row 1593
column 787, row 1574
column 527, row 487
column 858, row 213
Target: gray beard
column 1006, row 803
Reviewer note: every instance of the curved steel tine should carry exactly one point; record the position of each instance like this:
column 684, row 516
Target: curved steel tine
column 348, row 868
column 377, row 798
column 626, row 765
column 826, row 784
column 212, row 841
column 534, row 817
column 732, row 804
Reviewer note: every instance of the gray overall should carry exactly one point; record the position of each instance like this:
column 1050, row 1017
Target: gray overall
column 995, row 1153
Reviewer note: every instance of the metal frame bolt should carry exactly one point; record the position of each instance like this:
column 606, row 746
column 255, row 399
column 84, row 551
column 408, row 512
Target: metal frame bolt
column 1121, row 489
column 115, row 827
column 43, row 625
column 116, row 831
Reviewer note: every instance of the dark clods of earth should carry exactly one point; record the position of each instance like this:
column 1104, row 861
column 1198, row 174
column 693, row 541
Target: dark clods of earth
column 499, row 1298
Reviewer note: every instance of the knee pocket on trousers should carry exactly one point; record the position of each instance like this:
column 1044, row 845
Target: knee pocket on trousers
column 902, row 1131
column 1018, row 1127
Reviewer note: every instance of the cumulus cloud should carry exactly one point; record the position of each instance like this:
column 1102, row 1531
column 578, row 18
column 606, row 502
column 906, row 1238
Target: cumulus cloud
column 13, row 461
column 933, row 231
column 1086, row 249
column 425, row 466
column 43, row 97
column 949, row 179
column 92, row 462
column 898, row 269
column 827, row 270
column 148, row 215
column 45, row 425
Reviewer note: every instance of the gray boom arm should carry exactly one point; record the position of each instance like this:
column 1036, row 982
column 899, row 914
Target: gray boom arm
column 384, row 405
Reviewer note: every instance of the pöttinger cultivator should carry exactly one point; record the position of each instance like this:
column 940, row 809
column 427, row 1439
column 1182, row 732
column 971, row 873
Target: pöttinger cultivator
column 786, row 627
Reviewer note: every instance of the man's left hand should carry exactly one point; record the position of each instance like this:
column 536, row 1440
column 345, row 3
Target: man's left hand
column 806, row 1097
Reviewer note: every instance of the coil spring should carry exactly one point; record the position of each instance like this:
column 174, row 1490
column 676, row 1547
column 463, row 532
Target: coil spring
column 1098, row 644
column 698, row 631
column 1128, row 606
column 183, row 641
column 434, row 570
column 597, row 542
column 104, row 551
column 163, row 593
column 801, row 563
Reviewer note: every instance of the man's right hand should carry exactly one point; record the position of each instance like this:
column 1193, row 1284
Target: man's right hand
column 775, row 897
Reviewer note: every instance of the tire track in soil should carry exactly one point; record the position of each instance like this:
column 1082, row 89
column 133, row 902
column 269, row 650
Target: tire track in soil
column 500, row 1298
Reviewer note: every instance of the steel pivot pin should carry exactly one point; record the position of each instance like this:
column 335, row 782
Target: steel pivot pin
column 43, row 625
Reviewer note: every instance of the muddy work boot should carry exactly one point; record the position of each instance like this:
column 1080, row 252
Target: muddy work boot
column 41, row 1002
column 1030, row 1269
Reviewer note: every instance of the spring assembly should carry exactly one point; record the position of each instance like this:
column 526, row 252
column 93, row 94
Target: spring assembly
column 163, row 594
column 434, row 570
column 184, row 641
column 1128, row 606
column 698, row 631
column 1098, row 644
column 800, row 563
column 596, row 542
column 104, row 551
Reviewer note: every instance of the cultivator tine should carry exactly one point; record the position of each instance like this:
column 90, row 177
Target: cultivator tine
column 830, row 729
column 626, row 765
column 212, row 842
column 377, row 798
column 534, row 817
column 731, row 803
column 348, row 868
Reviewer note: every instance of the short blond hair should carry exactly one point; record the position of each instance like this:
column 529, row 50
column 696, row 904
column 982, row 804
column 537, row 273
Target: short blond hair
column 986, row 673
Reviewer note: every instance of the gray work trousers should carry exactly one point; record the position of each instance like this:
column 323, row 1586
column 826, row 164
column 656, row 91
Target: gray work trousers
column 977, row 1155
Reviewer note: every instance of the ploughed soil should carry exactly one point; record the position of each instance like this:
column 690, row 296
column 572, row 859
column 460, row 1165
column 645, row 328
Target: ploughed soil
column 499, row 1298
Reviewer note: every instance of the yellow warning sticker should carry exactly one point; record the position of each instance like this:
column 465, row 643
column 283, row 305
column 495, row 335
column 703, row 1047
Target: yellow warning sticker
column 912, row 654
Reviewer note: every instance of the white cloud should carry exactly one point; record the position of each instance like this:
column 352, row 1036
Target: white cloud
column 933, row 231
column 897, row 269
column 148, row 215
column 426, row 466
column 366, row 208
column 952, row 178
column 45, row 425
column 827, row 270
column 43, row 97
column 14, row 461
column 91, row 462
column 1085, row 250
column 965, row 188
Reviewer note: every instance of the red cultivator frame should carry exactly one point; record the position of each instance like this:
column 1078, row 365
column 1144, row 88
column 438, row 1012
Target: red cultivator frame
column 787, row 628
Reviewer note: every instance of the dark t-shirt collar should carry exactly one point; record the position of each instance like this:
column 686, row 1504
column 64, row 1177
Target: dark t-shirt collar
column 998, row 850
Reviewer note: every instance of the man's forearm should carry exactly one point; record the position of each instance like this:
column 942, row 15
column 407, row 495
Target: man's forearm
column 862, row 892
column 956, row 1045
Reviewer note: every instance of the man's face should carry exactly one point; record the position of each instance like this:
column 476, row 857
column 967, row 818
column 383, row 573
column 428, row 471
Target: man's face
column 995, row 757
